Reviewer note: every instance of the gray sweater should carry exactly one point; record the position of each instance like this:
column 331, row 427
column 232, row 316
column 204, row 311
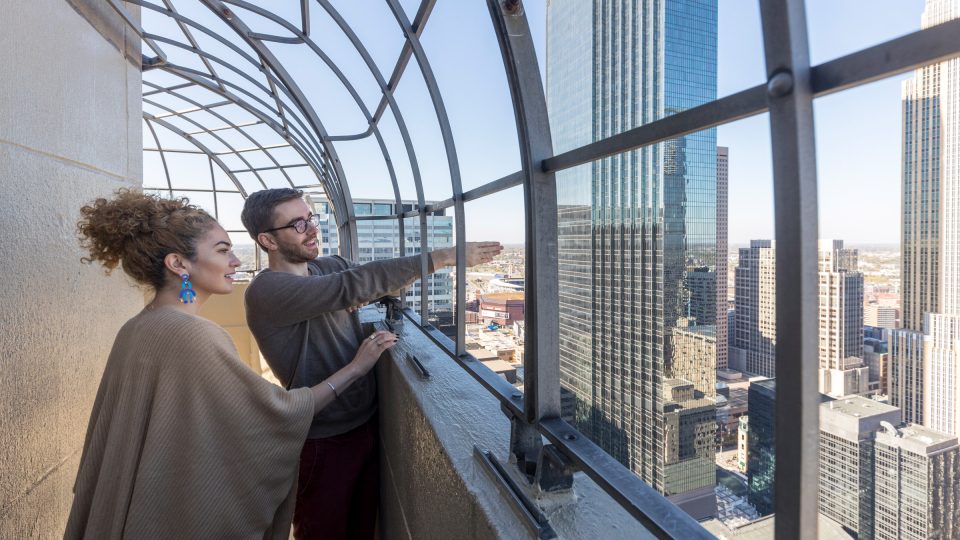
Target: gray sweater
column 282, row 306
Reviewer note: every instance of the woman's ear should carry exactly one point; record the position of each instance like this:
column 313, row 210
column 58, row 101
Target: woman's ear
column 177, row 264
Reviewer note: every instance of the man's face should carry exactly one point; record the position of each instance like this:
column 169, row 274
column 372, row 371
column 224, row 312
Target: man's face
column 293, row 246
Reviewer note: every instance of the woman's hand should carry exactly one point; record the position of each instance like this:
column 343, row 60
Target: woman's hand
column 371, row 349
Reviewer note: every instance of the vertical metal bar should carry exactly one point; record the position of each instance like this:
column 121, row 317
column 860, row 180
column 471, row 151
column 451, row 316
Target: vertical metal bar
column 795, row 210
column 453, row 163
column 163, row 159
column 305, row 17
column 425, row 277
column 213, row 186
column 541, row 358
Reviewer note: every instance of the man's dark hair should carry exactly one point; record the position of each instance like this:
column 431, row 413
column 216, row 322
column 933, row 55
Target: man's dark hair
column 257, row 215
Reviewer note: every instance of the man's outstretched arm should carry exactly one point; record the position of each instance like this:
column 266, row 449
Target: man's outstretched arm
column 476, row 253
column 285, row 299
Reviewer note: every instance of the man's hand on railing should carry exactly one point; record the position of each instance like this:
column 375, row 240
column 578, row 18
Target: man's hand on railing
column 476, row 253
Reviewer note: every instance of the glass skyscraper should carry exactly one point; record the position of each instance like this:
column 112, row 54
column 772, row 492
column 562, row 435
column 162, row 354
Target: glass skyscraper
column 637, row 236
column 762, row 429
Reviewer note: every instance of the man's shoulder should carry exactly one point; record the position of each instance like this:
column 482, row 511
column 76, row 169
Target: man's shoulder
column 319, row 266
column 330, row 263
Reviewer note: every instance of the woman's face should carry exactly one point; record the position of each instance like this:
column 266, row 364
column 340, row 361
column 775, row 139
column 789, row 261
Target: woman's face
column 212, row 271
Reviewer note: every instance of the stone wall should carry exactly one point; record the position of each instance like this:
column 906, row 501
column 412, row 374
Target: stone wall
column 69, row 132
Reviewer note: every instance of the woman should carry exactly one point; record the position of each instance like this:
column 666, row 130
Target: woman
column 184, row 440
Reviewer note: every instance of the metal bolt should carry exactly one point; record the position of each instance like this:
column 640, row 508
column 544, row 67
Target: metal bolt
column 781, row 84
column 569, row 436
column 511, row 6
column 516, row 395
column 227, row 13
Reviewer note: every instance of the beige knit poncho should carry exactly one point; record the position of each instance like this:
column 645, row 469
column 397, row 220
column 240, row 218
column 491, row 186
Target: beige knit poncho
column 185, row 441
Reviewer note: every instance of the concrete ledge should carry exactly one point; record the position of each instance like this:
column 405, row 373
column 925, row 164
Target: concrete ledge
column 434, row 487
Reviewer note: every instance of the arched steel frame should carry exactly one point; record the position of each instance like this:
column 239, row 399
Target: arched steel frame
column 788, row 96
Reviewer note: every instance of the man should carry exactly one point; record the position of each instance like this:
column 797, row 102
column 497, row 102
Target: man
column 300, row 310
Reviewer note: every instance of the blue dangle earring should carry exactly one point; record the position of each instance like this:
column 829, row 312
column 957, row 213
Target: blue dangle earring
column 187, row 294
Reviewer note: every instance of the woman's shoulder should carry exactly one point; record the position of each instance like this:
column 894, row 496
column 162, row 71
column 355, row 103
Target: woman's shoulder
column 172, row 324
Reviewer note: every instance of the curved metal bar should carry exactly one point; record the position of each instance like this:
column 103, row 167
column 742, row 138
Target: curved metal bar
column 185, row 21
column 269, row 91
column 404, row 136
column 541, row 356
column 418, row 25
column 180, row 19
column 300, row 147
column 229, row 125
column 217, row 137
column 452, row 162
column 210, row 154
column 223, row 83
column 277, row 39
column 328, row 185
column 350, row 89
column 795, row 221
column 270, row 61
column 189, row 36
column 289, row 135
column 372, row 123
column 163, row 159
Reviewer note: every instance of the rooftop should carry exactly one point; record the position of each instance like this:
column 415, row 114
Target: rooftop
column 917, row 439
column 502, row 296
column 855, row 417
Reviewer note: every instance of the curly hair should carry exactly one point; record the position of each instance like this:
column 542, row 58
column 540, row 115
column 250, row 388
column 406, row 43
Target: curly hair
column 257, row 212
column 137, row 231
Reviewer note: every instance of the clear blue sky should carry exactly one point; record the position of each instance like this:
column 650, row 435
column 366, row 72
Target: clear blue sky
column 858, row 131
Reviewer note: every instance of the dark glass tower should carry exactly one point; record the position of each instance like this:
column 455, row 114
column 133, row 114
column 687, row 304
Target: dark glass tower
column 762, row 405
column 637, row 235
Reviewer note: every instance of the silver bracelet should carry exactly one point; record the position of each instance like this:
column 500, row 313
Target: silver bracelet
column 334, row 388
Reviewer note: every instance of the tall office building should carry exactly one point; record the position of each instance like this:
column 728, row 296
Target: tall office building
column 842, row 370
column 916, row 484
column 930, row 226
column 880, row 479
column 755, row 311
column 876, row 356
column 846, row 472
column 906, row 373
column 632, row 228
column 880, row 316
column 761, row 457
column 723, row 161
column 380, row 239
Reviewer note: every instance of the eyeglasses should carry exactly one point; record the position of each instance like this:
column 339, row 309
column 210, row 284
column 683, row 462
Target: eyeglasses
column 300, row 225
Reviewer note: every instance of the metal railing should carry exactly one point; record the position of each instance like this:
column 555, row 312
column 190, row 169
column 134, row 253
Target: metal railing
column 792, row 85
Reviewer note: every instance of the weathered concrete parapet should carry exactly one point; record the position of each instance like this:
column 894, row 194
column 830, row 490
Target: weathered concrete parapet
column 433, row 486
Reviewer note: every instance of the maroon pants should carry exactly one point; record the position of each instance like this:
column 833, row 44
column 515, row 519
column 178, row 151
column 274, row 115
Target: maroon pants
column 338, row 490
